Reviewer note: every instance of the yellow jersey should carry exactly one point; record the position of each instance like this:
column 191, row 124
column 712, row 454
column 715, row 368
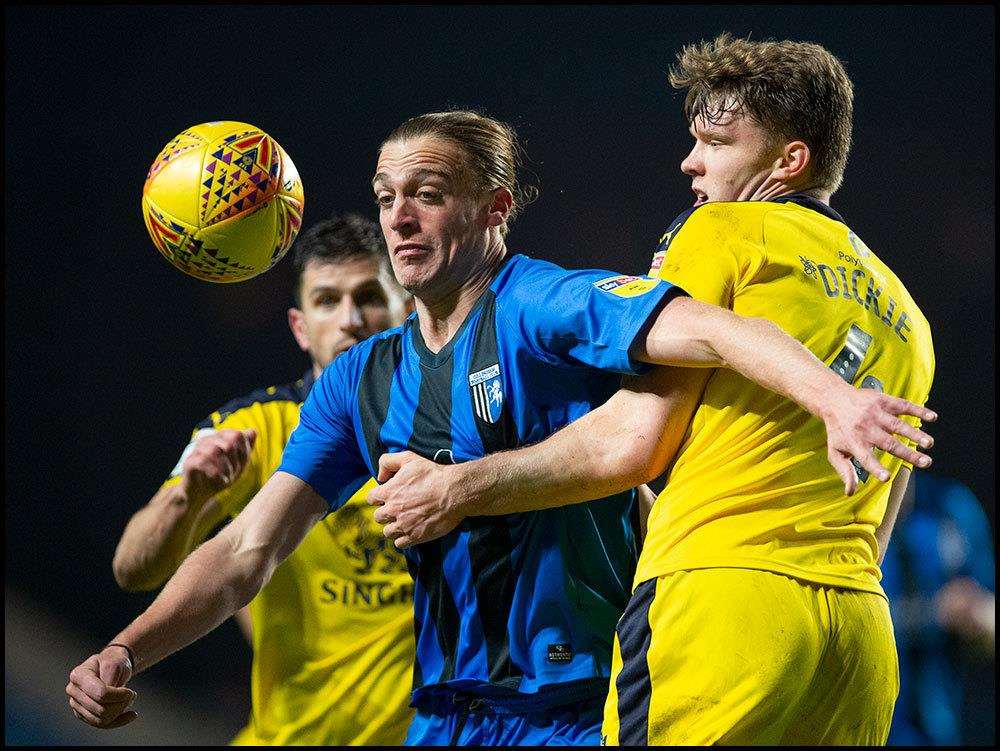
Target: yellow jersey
column 751, row 486
column 333, row 639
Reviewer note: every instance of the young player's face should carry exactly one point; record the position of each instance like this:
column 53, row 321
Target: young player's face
column 342, row 304
column 434, row 224
column 730, row 159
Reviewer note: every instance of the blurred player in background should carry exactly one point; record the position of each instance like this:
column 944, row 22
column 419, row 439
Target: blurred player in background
column 757, row 615
column 332, row 631
column 515, row 615
column 940, row 577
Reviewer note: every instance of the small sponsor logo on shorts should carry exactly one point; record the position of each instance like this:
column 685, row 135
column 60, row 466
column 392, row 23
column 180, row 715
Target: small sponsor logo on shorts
column 560, row 653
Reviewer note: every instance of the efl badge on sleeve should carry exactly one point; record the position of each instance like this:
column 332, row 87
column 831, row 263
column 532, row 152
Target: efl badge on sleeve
column 626, row 286
column 487, row 393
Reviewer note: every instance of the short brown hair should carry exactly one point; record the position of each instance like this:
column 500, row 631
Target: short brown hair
column 342, row 238
column 491, row 147
column 793, row 90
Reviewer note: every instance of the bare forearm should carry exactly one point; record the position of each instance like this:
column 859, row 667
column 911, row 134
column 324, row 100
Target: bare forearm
column 159, row 536
column 212, row 584
column 694, row 334
column 760, row 351
column 226, row 572
column 155, row 540
column 626, row 442
column 579, row 463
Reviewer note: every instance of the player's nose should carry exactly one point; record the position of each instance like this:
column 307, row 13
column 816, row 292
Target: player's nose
column 691, row 165
column 402, row 218
column 351, row 319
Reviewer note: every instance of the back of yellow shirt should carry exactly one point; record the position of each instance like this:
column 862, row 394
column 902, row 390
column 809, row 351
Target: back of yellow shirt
column 333, row 636
column 751, row 486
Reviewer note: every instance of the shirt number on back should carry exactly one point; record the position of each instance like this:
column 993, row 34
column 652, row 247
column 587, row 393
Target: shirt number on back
column 847, row 363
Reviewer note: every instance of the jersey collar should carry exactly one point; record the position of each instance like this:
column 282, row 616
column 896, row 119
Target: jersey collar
column 436, row 359
column 808, row 202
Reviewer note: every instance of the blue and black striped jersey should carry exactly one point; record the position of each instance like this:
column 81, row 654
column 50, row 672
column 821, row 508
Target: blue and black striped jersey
column 520, row 608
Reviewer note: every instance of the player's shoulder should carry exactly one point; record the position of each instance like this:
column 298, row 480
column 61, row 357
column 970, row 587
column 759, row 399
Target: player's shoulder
column 533, row 282
column 523, row 281
column 712, row 221
column 730, row 215
column 530, row 292
column 292, row 393
column 742, row 217
column 520, row 271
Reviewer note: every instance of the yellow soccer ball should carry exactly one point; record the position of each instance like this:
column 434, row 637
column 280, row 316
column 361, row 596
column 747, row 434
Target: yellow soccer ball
column 222, row 201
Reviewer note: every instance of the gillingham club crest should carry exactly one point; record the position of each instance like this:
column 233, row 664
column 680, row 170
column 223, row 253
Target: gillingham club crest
column 487, row 393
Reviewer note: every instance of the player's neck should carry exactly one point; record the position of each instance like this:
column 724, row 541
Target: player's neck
column 770, row 189
column 441, row 316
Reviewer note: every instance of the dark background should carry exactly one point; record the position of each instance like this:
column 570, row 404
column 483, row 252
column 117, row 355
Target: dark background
column 112, row 355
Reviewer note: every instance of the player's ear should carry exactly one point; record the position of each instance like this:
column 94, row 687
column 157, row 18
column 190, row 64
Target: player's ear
column 794, row 161
column 297, row 323
column 498, row 210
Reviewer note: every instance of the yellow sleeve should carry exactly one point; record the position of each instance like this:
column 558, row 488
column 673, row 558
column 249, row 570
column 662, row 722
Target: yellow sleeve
column 711, row 252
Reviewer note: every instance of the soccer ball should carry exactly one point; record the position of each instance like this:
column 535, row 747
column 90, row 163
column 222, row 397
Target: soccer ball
column 222, row 201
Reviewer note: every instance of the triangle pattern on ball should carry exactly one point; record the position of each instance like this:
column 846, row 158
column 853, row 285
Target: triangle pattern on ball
column 242, row 173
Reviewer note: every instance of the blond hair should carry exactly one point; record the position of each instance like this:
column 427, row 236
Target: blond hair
column 793, row 90
column 493, row 154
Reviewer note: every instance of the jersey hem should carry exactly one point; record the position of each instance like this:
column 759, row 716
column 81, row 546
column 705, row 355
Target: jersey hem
column 809, row 577
column 442, row 698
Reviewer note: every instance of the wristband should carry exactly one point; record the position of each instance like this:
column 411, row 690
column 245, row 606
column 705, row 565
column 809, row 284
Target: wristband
column 127, row 648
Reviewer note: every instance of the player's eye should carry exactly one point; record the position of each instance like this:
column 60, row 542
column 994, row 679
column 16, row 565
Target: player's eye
column 326, row 300
column 429, row 196
column 384, row 199
column 370, row 297
column 370, row 293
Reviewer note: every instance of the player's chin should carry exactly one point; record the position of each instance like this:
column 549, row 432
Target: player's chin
column 414, row 277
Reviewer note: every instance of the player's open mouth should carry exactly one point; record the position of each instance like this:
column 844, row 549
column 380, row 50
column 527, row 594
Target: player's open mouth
column 700, row 197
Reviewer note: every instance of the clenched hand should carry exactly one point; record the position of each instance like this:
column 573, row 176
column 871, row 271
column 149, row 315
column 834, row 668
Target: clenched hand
column 97, row 692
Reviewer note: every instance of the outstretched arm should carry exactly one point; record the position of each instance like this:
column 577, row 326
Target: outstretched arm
column 627, row 441
column 213, row 583
column 691, row 333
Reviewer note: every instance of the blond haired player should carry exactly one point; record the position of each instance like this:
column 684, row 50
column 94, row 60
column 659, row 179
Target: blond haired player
column 332, row 631
column 757, row 616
